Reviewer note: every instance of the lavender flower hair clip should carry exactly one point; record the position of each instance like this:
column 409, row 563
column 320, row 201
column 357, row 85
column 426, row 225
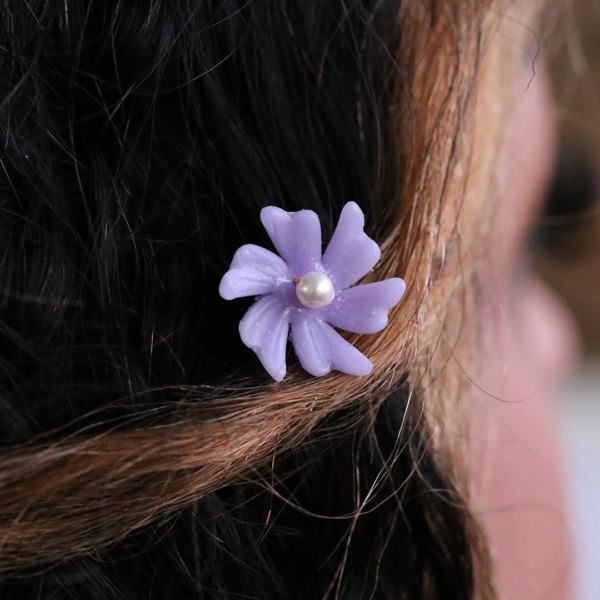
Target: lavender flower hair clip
column 309, row 292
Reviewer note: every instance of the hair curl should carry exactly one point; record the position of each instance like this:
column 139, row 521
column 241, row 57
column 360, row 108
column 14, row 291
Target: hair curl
column 145, row 453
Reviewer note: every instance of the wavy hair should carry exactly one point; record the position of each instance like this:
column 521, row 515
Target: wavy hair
column 145, row 453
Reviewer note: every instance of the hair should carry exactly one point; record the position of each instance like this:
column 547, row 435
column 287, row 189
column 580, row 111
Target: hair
column 146, row 453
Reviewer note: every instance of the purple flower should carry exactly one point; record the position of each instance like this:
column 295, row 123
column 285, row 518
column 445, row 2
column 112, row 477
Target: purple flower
column 310, row 292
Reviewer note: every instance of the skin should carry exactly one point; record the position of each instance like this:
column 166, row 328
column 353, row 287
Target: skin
column 530, row 339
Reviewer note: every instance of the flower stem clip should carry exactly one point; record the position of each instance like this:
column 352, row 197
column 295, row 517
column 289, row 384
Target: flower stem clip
column 310, row 292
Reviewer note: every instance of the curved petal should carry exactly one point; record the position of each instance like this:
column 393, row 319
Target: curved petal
column 264, row 329
column 351, row 253
column 364, row 308
column 253, row 271
column 297, row 237
column 321, row 349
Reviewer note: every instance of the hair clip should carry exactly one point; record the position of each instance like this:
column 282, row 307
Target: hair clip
column 310, row 292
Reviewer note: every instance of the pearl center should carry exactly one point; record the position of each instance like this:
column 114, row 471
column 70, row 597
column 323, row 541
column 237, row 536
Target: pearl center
column 315, row 290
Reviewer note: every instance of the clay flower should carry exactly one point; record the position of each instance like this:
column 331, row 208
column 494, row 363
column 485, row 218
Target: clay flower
column 310, row 292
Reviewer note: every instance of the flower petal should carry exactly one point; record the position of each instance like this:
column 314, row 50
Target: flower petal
column 264, row 329
column 297, row 237
column 351, row 253
column 253, row 271
column 364, row 308
column 321, row 349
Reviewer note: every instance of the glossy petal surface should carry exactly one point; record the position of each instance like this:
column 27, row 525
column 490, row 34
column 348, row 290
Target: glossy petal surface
column 264, row 329
column 351, row 253
column 321, row 349
column 364, row 308
column 297, row 237
column 254, row 271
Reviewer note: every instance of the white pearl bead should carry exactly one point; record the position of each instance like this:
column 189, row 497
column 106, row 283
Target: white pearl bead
column 315, row 290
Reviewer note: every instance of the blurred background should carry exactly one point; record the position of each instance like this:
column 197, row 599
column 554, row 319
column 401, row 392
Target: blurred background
column 566, row 251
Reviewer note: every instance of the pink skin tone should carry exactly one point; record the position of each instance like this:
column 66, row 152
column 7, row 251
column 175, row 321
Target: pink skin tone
column 515, row 446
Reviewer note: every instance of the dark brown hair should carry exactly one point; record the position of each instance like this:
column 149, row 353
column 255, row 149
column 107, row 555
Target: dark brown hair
column 145, row 452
